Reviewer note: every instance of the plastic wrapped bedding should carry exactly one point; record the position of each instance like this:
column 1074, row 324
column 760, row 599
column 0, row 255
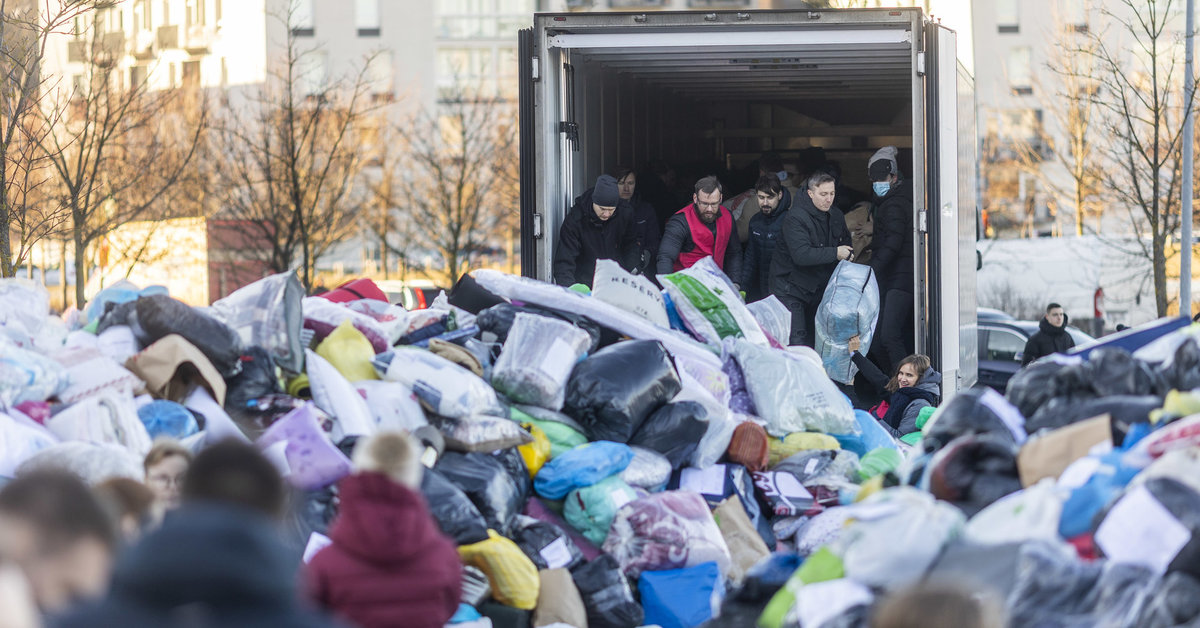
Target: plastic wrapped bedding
column 774, row 318
column 28, row 376
column 791, row 393
column 666, row 530
column 648, row 470
column 445, row 387
column 850, row 307
column 557, row 297
column 537, row 359
column 267, row 313
column 709, row 305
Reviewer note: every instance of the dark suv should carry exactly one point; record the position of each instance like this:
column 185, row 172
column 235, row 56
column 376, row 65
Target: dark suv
column 1002, row 346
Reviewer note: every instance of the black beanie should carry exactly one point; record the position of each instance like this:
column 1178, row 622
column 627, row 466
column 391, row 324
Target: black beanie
column 605, row 194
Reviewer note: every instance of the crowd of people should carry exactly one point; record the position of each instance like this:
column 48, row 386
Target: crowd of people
column 783, row 237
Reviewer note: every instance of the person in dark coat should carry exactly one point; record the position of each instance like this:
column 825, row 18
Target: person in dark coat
column 814, row 239
column 389, row 564
column 773, row 201
column 645, row 222
column 1051, row 336
column 702, row 229
column 599, row 226
column 892, row 259
column 914, row 386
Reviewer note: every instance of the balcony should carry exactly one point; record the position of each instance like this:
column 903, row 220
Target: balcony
column 199, row 38
column 168, row 36
column 143, row 45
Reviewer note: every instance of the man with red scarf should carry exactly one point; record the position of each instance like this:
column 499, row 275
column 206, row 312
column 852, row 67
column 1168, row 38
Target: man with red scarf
column 703, row 228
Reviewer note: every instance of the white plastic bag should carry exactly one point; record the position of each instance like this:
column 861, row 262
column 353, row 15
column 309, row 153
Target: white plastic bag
column 392, row 404
column 24, row 308
column 445, row 387
column 20, row 440
column 268, row 313
column 1028, row 514
column 537, row 359
column 108, row 416
column 633, row 293
column 709, row 305
column 334, row 394
column 850, row 307
column 774, row 318
column 92, row 462
column 323, row 316
column 791, row 393
column 28, row 376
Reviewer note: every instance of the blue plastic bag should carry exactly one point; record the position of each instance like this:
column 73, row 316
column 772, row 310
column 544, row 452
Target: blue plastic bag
column 583, row 466
column 1109, row 479
column 873, row 435
column 167, row 418
column 682, row 598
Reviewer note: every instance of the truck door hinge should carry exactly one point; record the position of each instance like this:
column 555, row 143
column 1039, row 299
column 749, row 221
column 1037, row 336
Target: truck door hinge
column 571, row 129
column 537, row 226
column 534, row 68
column 920, row 64
column 923, row 221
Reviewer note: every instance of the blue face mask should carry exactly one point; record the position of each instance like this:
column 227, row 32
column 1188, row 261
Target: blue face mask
column 881, row 187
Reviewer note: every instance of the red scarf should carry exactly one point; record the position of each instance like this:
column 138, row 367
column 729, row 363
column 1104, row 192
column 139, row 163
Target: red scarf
column 703, row 239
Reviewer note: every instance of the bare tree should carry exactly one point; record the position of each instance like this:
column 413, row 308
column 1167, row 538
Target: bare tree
column 118, row 152
column 29, row 208
column 456, row 185
column 290, row 161
column 1143, row 108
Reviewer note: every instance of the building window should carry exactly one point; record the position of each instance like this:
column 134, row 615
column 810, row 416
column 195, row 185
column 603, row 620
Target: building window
column 166, row 12
column 312, row 72
column 366, row 17
column 191, row 74
column 1020, row 69
column 1075, row 16
column 379, row 73
column 194, row 12
column 141, row 15
column 137, row 76
column 1007, row 16
column 302, row 19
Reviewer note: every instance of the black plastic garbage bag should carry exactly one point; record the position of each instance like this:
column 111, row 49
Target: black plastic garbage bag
column 119, row 314
column 256, row 379
column 1182, row 372
column 1175, row 603
column 1183, row 503
column 975, row 470
column 456, row 516
column 499, row 319
column 607, row 595
column 1124, row 409
column 547, row 545
column 975, row 411
column 1055, row 588
column 612, row 392
column 1114, row 371
column 487, row 483
column 514, row 465
column 159, row 316
column 674, row 431
column 470, row 296
column 1032, row 386
column 309, row 512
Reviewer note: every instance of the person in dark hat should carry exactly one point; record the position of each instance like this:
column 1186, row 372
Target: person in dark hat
column 892, row 256
column 599, row 226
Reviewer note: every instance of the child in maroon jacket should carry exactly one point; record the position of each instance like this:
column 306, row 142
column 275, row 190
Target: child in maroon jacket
column 389, row 564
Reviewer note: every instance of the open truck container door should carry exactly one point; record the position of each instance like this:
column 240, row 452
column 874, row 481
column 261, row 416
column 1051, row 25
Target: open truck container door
column 600, row 89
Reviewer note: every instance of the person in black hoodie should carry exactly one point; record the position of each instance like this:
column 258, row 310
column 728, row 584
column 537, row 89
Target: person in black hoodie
column 216, row 561
column 765, row 227
column 1051, row 336
column 892, row 259
column 599, row 226
column 645, row 222
column 814, row 239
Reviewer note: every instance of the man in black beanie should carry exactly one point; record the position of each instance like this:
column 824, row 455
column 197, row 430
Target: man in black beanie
column 599, row 226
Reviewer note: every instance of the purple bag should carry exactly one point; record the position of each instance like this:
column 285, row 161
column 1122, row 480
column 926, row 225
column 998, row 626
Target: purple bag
column 312, row 461
column 669, row 530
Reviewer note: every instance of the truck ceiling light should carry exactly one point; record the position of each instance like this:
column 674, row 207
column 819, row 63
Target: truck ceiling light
column 878, row 36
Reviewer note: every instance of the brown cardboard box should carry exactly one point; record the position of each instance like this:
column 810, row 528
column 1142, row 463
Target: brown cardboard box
column 1048, row 455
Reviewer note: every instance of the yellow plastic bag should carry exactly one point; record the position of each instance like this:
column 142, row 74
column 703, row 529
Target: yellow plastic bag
column 797, row 442
column 349, row 351
column 536, row 453
column 514, row 578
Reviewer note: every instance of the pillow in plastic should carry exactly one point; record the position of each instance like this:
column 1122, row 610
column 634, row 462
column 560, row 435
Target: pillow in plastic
column 443, row 386
column 791, row 393
column 537, row 360
column 709, row 305
column 305, row 454
column 334, row 394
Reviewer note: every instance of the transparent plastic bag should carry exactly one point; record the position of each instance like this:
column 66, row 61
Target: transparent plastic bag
column 537, row 360
column 92, row 462
column 445, row 387
column 28, row 376
column 334, row 394
column 21, row 439
column 791, row 393
column 392, row 404
column 267, row 313
column 648, row 470
column 774, row 318
column 709, row 305
column 666, row 530
column 849, row 307
column 322, row 316
column 24, row 307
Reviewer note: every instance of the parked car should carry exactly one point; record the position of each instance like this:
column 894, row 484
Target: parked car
column 1002, row 347
column 411, row 295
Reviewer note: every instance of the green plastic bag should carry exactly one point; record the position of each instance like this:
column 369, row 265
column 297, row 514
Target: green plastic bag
column 591, row 509
column 923, row 417
column 562, row 437
column 822, row 566
column 877, row 462
column 911, row 438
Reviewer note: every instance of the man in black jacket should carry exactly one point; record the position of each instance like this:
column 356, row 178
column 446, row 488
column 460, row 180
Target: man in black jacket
column 1051, row 336
column 814, row 239
column 599, row 226
column 705, row 228
column 892, row 259
column 772, row 202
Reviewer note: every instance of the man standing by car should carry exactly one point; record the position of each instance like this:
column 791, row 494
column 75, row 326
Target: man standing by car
column 599, row 226
column 1051, row 336
column 814, row 239
column 703, row 228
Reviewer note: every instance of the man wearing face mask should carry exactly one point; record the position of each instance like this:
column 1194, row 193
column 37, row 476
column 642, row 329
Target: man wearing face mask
column 892, row 255
column 814, row 239
column 703, row 228
column 599, row 226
